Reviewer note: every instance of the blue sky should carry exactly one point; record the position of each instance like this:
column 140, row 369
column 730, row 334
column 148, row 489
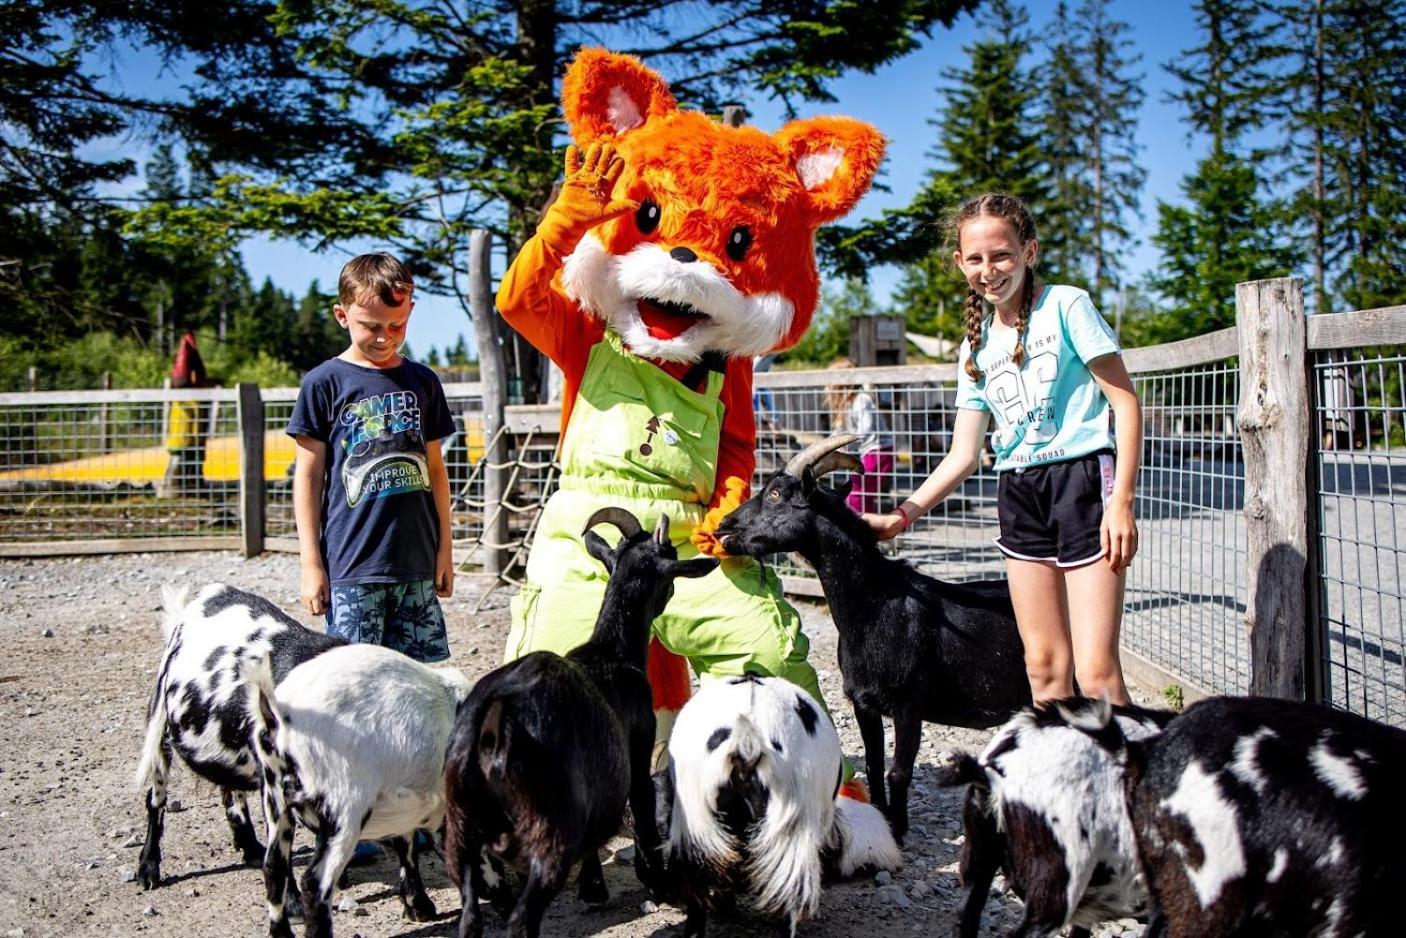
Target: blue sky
column 900, row 100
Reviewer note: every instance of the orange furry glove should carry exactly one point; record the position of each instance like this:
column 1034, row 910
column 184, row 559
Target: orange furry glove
column 586, row 198
column 734, row 494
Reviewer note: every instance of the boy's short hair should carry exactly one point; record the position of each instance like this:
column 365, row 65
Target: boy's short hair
column 380, row 274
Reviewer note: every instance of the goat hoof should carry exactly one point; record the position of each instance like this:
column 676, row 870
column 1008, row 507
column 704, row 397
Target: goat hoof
column 149, row 876
column 420, row 909
column 280, row 929
column 593, row 893
column 254, row 857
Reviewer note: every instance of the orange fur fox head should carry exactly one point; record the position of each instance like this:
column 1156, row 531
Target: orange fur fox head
column 720, row 255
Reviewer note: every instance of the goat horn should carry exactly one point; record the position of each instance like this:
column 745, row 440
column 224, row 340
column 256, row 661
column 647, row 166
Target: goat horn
column 628, row 524
column 837, row 462
column 812, row 455
column 661, row 531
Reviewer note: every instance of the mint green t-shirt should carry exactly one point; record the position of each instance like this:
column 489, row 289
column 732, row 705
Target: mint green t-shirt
column 1051, row 408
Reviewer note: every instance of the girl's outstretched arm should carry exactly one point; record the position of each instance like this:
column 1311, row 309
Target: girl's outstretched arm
column 1119, row 530
column 968, row 435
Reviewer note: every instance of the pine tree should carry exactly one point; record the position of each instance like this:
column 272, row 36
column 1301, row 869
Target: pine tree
column 1227, row 232
column 1090, row 116
column 1348, row 117
column 988, row 142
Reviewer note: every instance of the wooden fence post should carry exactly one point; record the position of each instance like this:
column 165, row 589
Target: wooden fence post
column 1275, row 416
column 492, row 376
column 251, row 469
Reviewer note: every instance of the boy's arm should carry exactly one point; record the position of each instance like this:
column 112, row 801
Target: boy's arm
column 444, row 556
column 309, row 475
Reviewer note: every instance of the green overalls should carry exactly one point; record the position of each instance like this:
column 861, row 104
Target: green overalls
column 638, row 439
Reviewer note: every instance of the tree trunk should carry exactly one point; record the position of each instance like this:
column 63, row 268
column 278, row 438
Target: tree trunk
column 494, row 378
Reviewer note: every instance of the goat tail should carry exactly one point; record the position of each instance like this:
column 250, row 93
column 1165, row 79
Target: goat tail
column 263, row 707
column 173, row 604
column 962, row 769
column 154, row 763
column 861, row 840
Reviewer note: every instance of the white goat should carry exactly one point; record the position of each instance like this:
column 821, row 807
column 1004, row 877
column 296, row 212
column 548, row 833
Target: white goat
column 352, row 743
column 199, row 704
column 756, row 768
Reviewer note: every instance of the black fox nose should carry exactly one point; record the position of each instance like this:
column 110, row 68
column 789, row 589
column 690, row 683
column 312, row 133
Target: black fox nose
column 683, row 255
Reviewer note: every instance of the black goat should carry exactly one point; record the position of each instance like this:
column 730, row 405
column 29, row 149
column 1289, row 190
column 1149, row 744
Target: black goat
column 912, row 647
column 548, row 749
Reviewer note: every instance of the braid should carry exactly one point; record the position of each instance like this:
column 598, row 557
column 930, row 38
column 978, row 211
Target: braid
column 1027, row 302
column 976, row 312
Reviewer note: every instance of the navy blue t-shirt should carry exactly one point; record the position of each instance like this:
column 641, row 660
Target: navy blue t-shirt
column 379, row 523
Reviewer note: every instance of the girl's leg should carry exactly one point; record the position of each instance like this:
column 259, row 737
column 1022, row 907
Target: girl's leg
column 1096, row 611
column 1037, row 592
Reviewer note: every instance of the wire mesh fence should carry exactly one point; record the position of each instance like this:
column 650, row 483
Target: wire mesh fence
column 108, row 465
column 1186, row 596
column 1361, row 462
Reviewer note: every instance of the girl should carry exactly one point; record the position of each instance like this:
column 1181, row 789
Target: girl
column 852, row 410
column 1042, row 360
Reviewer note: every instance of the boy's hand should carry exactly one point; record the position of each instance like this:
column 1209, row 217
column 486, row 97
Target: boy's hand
column 444, row 573
column 314, row 589
column 586, row 197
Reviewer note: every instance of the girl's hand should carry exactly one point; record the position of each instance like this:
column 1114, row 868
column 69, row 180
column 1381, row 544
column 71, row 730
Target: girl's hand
column 444, row 571
column 886, row 526
column 1118, row 533
column 313, row 588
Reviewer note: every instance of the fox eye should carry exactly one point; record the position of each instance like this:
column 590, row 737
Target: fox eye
column 738, row 242
column 647, row 216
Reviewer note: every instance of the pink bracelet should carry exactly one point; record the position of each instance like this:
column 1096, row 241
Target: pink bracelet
column 898, row 510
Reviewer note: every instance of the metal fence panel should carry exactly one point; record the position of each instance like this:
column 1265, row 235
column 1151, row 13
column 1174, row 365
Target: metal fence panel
column 1362, row 530
column 78, row 468
column 1186, row 595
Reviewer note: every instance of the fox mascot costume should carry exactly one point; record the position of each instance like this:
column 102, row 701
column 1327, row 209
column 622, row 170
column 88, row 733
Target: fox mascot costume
column 678, row 249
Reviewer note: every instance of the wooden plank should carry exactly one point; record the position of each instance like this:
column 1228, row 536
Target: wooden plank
column 1366, row 327
column 526, row 418
column 1154, row 679
column 120, row 396
column 251, row 469
column 126, row 545
column 802, row 586
column 1275, row 423
column 892, row 374
column 281, row 544
column 1187, row 353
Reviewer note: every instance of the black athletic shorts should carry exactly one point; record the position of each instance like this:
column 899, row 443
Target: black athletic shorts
column 1053, row 512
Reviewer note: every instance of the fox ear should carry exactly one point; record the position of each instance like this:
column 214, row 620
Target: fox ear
column 836, row 159
column 605, row 94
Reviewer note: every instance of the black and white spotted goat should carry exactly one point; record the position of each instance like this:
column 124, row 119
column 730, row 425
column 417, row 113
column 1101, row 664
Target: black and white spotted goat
column 352, row 744
column 912, row 647
column 548, row 749
column 756, row 768
column 1257, row 816
column 199, row 707
column 1045, row 803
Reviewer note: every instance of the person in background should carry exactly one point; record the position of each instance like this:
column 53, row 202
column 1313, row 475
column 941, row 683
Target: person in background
column 853, row 410
column 185, row 428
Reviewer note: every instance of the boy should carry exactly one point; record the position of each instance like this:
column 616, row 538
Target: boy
column 370, row 492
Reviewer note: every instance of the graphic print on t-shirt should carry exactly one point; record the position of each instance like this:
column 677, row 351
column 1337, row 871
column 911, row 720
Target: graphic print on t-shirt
column 1023, row 398
column 385, row 447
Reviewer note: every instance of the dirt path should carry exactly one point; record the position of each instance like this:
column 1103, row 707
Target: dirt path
column 82, row 641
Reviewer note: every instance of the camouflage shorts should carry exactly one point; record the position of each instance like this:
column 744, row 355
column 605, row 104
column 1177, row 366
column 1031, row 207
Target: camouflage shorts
column 403, row 616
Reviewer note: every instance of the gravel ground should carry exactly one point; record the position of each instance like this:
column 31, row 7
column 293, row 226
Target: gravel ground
column 84, row 639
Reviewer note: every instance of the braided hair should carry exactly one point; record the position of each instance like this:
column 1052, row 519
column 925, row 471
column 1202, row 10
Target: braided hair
column 1015, row 212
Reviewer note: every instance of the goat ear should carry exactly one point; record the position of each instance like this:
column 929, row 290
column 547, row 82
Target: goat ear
column 698, row 566
column 842, row 489
column 599, row 549
column 807, row 482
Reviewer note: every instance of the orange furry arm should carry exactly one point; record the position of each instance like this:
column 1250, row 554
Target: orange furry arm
column 737, row 456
